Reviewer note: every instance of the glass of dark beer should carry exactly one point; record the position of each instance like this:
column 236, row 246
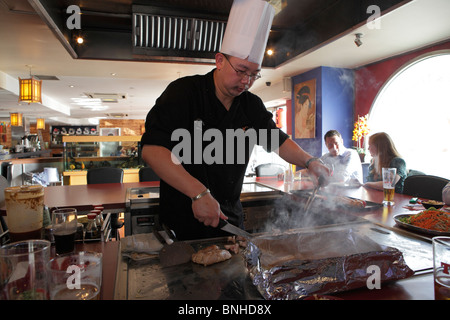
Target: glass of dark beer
column 64, row 225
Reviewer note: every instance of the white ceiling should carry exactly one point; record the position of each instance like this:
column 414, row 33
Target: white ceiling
column 26, row 40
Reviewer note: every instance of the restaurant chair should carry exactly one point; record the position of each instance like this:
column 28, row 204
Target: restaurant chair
column 107, row 175
column 413, row 172
column 104, row 175
column 147, row 174
column 269, row 170
column 425, row 186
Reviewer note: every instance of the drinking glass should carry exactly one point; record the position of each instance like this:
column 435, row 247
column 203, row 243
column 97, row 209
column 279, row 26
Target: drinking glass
column 75, row 276
column 24, row 212
column 389, row 185
column 64, row 225
column 22, row 270
column 441, row 267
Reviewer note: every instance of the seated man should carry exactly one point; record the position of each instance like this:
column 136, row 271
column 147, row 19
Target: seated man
column 345, row 162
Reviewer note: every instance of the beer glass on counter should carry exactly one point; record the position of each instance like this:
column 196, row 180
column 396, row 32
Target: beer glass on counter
column 64, row 225
column 389, row 185
column 75, row 276
column 441, row 267
column 24, row 212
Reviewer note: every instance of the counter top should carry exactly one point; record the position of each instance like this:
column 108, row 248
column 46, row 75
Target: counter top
column 22, row 155
column 419, row 286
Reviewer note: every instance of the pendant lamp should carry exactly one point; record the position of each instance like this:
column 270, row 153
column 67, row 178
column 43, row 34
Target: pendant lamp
column 30, row 89
column 16, row 119
column 40, row 124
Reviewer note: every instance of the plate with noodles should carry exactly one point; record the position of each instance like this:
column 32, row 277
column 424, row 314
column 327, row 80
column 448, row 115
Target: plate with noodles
column 431, row 221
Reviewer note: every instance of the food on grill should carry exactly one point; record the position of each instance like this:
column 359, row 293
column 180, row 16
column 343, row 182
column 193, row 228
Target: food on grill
column 349, row 202
column 431, row 219
column 234, row 248
column 210, row 255
column 241, row 241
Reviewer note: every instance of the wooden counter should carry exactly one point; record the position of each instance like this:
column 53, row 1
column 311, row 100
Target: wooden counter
column 78, row 177
column 82, row 197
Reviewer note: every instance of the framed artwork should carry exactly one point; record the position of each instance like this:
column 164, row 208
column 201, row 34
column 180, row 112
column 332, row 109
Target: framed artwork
column 305, row 109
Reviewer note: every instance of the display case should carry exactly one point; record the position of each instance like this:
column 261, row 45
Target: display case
column 83, row 152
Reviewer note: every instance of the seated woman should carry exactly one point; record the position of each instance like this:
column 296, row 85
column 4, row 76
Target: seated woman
column 384, row 155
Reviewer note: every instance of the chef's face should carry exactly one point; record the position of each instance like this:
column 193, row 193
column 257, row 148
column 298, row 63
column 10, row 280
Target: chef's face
column 239, row 74
column 334, row 145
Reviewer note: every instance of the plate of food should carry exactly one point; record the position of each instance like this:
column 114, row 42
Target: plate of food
column 432, row 221
column 432, row 204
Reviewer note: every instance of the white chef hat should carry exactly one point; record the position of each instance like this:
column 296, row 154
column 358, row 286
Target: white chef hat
column 248, row 29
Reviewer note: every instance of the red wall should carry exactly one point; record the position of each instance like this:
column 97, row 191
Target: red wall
column 370, row 79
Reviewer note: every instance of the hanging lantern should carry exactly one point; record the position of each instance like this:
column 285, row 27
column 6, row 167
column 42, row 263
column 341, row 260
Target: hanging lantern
column 40, row 124
column 30, row 90
column 16, row 119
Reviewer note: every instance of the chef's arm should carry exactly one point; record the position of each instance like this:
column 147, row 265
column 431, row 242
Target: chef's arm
column 294, row 154
column 206, row 209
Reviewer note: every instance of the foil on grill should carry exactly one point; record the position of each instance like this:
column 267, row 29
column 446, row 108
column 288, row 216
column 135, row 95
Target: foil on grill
column 296, row 265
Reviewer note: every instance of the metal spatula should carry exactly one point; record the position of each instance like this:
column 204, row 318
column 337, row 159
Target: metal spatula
column 313, row 195
column 173, row 253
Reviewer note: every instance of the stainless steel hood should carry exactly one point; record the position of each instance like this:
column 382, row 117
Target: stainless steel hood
column 191, row 31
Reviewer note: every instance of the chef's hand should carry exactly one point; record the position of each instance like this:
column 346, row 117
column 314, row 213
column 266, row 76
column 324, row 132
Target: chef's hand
column 207, row 211
column 320, row 173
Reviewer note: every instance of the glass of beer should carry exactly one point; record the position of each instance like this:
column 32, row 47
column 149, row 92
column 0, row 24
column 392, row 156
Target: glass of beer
column 441, row 268
column 64, row 225
column 75, row 276
column 389, row 185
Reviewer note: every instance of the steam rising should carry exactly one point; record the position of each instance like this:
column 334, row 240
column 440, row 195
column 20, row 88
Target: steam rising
column 288, row 212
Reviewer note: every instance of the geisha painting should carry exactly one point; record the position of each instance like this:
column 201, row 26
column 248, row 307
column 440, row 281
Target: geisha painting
column 305, row 109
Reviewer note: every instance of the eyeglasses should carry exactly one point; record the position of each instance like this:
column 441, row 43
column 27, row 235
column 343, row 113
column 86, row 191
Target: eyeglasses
column 243, row 74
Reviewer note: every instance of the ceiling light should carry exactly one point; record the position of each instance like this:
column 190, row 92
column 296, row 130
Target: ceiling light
column 30, row 90
column 270, row 52
column 358, row 41
column 40, row 124
column 80, row 40
column 16, row 119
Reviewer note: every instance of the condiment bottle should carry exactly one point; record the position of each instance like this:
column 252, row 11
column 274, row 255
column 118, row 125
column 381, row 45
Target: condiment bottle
column 98, row 218
column 91, row 229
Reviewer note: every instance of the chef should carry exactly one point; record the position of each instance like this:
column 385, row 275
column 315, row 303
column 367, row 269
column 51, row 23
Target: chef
column 201, row 184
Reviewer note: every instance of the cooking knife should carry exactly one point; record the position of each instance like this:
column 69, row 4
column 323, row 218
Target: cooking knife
column 228, row 227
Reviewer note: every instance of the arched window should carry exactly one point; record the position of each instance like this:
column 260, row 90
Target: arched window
column 413, row 107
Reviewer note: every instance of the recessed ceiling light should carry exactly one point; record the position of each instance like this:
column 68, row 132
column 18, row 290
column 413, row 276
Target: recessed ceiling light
column 113, row 73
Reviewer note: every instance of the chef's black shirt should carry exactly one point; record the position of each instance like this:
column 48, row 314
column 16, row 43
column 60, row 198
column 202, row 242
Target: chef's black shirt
column 191, row 101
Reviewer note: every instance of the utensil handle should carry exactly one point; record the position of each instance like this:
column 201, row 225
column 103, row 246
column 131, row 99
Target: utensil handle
column 222, row 223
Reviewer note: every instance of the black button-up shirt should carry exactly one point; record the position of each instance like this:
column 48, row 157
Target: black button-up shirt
column 189, row 107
